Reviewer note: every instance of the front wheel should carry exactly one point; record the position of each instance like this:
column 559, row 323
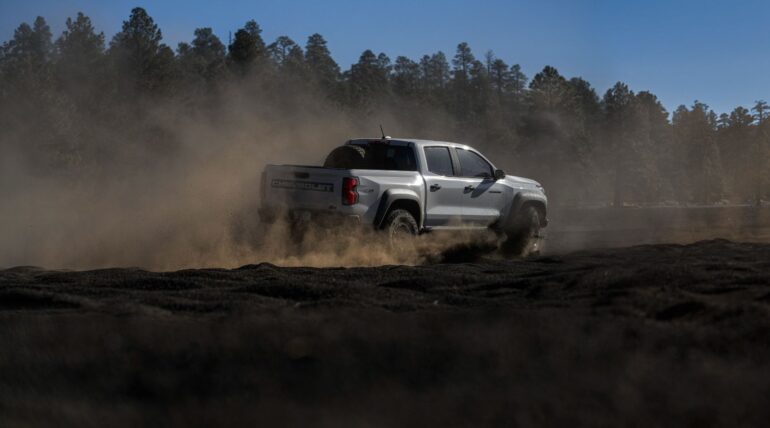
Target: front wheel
column 523, row 237
column 401, row 228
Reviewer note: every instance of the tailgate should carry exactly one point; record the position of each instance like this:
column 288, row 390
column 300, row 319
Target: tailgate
column 302, row 187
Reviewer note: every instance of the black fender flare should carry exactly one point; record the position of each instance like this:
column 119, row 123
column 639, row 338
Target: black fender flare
column 387, row 200
column 519, row 200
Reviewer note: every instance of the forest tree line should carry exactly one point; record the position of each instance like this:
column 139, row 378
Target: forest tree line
column 66, row 102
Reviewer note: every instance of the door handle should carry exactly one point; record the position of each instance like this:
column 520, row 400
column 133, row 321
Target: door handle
column 434, row 187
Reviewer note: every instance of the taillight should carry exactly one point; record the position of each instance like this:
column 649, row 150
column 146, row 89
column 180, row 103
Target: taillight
column 349, row 193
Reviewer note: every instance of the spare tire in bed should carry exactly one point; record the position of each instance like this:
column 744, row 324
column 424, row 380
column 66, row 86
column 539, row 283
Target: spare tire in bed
column 348, row 156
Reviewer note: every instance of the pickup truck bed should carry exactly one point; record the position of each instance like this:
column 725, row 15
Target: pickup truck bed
column 317, row 191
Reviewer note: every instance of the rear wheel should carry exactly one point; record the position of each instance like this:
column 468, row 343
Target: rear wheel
column 523, row 237
column 401, row 228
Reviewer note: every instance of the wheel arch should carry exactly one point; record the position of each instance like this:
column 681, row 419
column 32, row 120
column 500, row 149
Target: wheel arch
column 524, row 200
column 392, row 200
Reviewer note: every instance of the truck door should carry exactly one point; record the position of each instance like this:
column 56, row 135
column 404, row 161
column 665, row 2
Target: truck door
column 482, row 194
column 444, row 194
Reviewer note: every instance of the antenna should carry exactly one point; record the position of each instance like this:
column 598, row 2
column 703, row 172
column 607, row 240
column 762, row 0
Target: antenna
column 382, row 132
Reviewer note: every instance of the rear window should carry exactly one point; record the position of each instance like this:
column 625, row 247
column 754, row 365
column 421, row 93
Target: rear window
column 439, row 161
column 387, row 157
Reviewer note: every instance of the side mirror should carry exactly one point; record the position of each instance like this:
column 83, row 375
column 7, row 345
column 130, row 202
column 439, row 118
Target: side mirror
column 499, row 174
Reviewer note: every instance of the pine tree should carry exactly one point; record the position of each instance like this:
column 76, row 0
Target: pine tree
column 735, row 140
column 518, row 82
column 462, row 62
column 500, row 77
column 30, row 48
column 281, row 50
column 80, row 65
column 406, row 77
column 587, row 109
column 480, row 90
column 761, row 111
column 247, row 49
column 255, row 35
column 79, row 48
column 695, row 135
column 204, row 58
column 658, row 148
column 724, row 121
column 435, row 78
column 31, row 103
column 288, row 57
column 369, row 78
column 741, row 118
column 549, row 91
column 320, row 63
column 761, row 156
column 26, row 67
column 138, row 56
column 619, row 153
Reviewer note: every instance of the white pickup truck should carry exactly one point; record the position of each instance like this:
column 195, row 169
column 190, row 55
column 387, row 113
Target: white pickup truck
column 406, row 187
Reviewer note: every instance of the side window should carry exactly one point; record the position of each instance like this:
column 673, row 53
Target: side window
column 439, row 161
column 392, row 158
column 473, row 165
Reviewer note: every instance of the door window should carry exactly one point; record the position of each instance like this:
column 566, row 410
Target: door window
column 473, row 165
column 439, row 161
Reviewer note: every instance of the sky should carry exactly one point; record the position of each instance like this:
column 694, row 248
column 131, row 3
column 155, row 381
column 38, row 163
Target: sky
column 714, row 51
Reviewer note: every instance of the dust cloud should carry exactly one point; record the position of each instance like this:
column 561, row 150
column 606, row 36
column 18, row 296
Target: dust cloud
column 185, row 193
column 323, row 246
column 176, row 185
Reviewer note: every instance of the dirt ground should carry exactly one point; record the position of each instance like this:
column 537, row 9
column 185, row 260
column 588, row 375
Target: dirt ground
column 675, row 335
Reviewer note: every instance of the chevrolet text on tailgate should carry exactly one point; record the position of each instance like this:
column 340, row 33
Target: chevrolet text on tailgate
column 406, row 187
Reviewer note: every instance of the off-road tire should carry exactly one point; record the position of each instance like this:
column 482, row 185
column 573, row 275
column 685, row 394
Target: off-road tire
column 401, row 228
column 348, row 157
column 522, row 237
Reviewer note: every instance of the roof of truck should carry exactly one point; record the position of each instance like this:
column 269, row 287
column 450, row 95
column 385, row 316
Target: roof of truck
column 415, row 141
